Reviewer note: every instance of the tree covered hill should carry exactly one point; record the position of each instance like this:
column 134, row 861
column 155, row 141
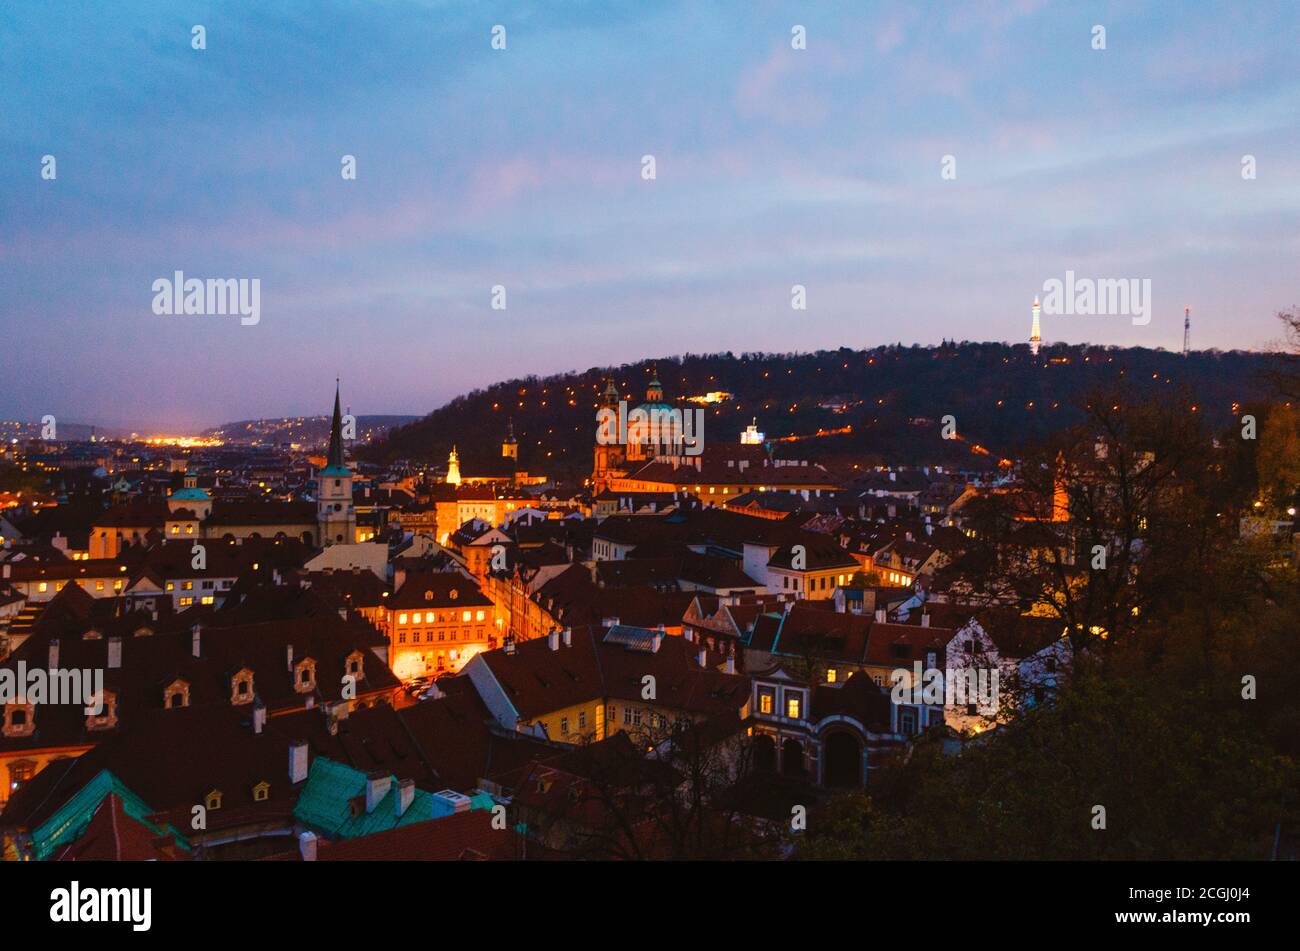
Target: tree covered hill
column 885, row 404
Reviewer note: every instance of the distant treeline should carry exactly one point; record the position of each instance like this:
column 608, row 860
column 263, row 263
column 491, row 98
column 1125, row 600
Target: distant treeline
column 893, row 398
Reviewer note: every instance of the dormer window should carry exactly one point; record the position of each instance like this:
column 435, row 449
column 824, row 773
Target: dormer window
column 20, row 719
column 176, row 695
column 241, row 687
column 212, row 801
column 262, row 792
column 106, row 719
column 304, row 675
column 355, row 664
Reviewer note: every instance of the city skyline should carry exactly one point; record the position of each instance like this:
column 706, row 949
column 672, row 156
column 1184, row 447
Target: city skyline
column 774, row 167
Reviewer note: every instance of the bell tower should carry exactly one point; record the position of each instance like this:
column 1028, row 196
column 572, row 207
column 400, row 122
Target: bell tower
column 336, row 519
column 608, row 454
column 510, row 448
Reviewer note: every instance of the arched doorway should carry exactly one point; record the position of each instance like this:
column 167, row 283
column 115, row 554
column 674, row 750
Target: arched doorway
column 843, row 760
column 764, row 754
column 792, row 758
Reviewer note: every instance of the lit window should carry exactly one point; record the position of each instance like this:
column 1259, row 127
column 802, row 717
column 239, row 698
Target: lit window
column 401, row 619
column 478, row 616
column 43, row 587
column 830, row 676
column 465, row 616
column 792, row 704
column 417, row 618
column 765, row 703
column 171, row 586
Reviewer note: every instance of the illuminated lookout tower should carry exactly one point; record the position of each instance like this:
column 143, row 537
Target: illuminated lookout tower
column 1187, row 330
column 1035, row 331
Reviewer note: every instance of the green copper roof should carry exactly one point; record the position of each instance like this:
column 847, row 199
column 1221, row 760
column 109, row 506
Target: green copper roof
column 335, row 471
column 325, row 803
column 191, row 495
column 70, row 820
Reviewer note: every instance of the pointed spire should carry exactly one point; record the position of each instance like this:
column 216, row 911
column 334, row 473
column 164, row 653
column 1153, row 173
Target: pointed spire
column 336, row 432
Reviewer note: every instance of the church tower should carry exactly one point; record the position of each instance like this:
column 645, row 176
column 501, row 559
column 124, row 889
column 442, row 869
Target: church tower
column 336, row 519
column 510, row 448
column 453, row 468
column 609, row 454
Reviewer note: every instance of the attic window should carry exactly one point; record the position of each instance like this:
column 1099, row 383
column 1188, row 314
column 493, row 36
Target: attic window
column 212, row 800
column 241, row 687
column 428, row 595
column 354, row 663
column 453, row 594
column 261, row 792
column 19, row 719
column 106, row 719
column 304, row 675
column 177, row 694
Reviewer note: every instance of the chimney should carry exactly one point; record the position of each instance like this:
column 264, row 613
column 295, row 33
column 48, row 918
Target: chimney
column 509, row 644
column 703, row 657
column 54, row 654
column 553, row 640
column 297, row 761
column 377, row 786
column 893, row 476
column 880, row 615
column 196, row 640
column 114, row 653
column 925, row 620
column 259, row 717
column 288, row 651
column 307, row 846
column 730, row 666
column 568, row 637
column 656, row 642
column 405, row 795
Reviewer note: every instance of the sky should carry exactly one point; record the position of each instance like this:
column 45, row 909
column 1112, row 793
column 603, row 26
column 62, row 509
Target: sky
column 523, row 167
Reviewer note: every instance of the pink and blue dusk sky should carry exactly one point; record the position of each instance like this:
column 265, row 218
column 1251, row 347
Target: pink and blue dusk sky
column 478, row 167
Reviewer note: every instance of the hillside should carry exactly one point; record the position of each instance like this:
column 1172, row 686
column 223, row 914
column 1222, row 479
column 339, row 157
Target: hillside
column 885, row 403
column 302, row 430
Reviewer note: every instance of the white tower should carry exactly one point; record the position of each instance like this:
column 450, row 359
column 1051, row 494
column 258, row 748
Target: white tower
column 1035, row 332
